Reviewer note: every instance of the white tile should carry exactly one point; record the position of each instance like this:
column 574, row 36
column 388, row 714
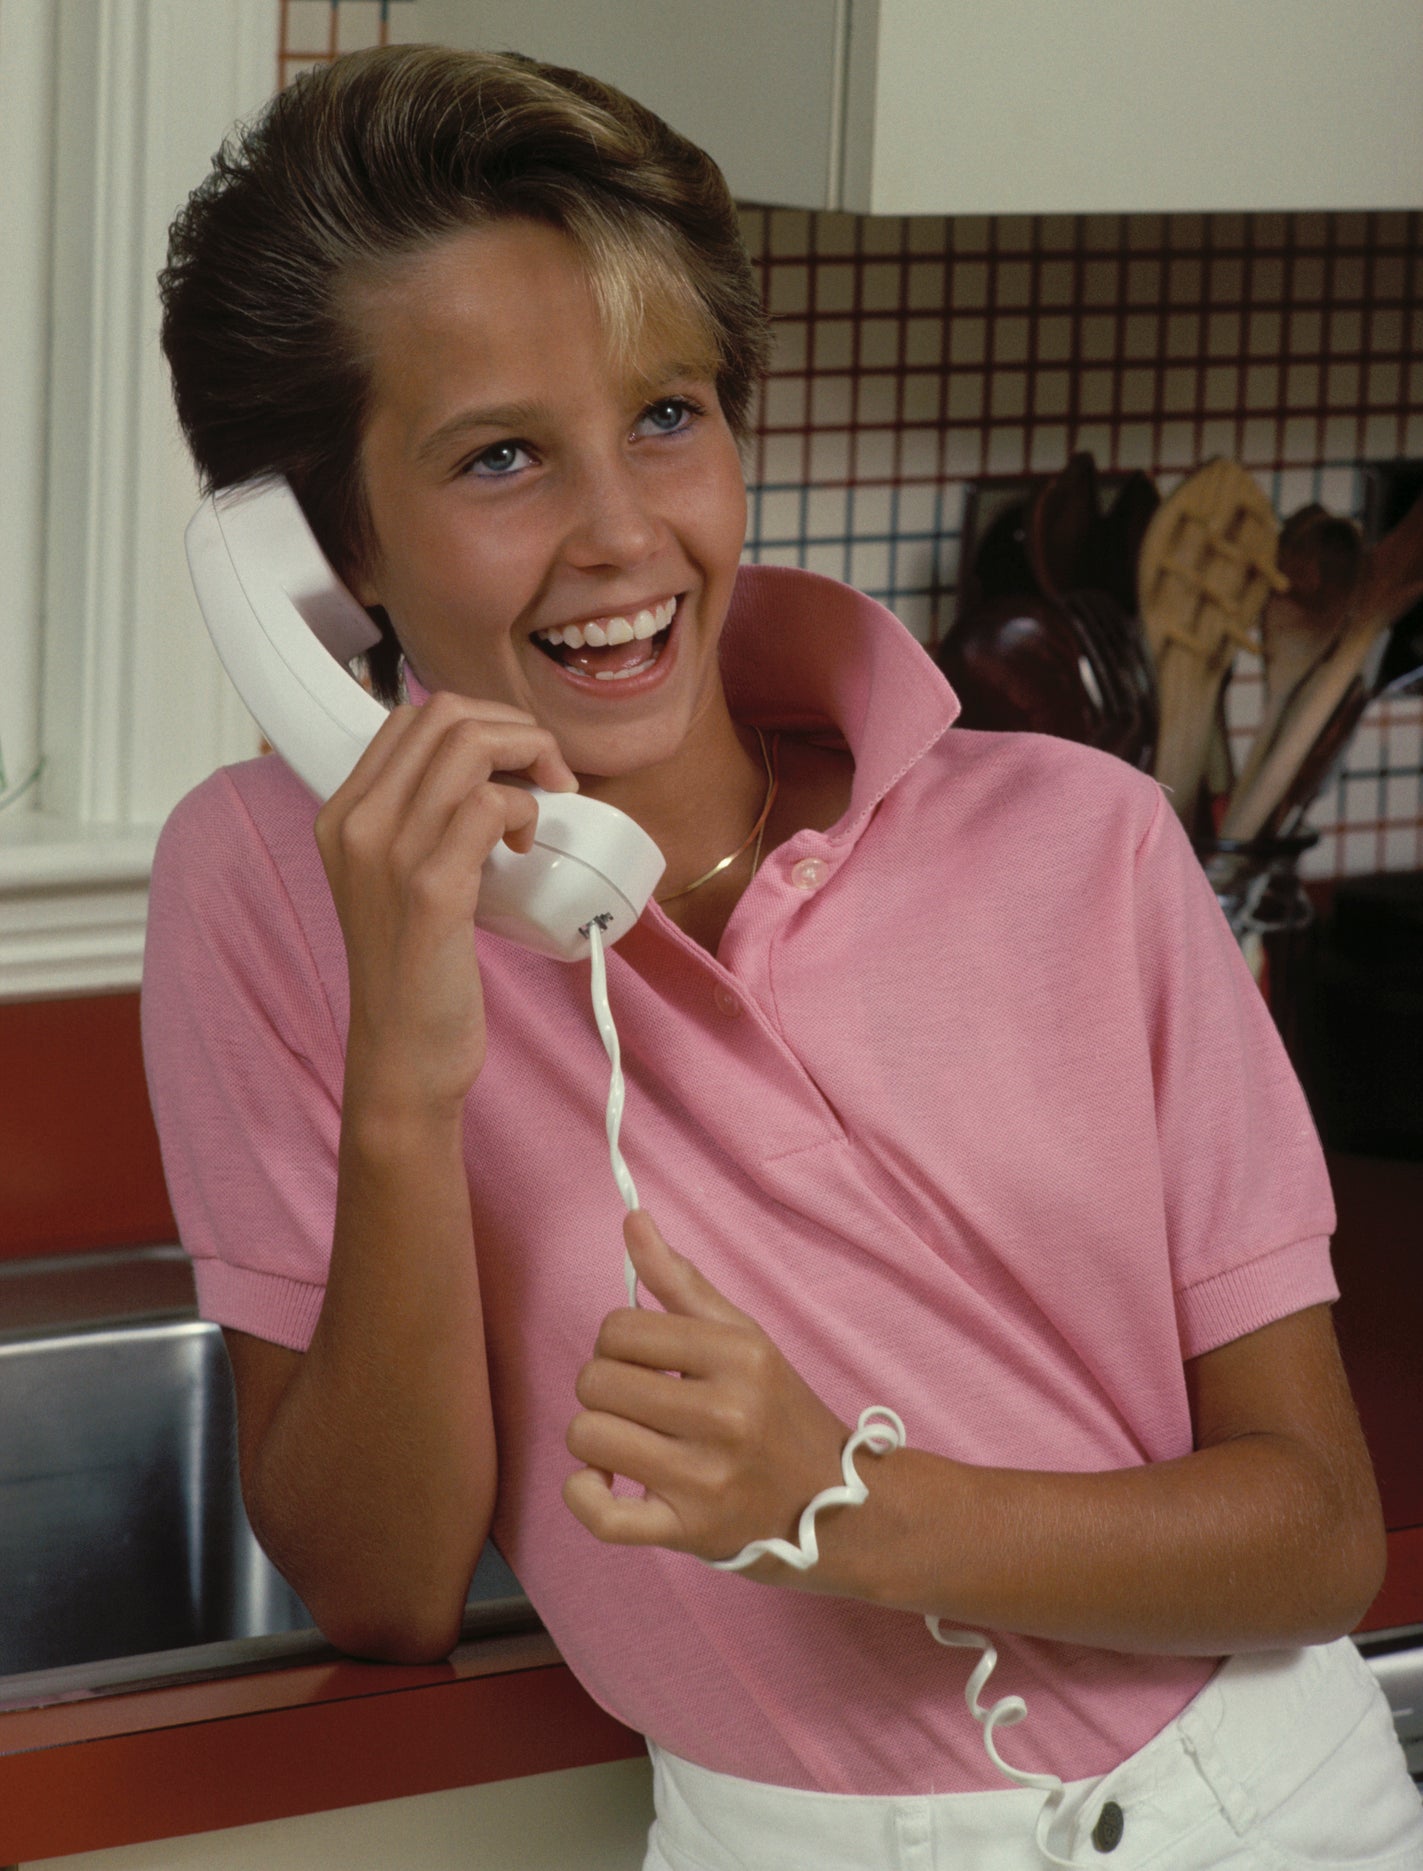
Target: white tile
column 830, row 455
column 919, row 454
column 788, row 344
column 830, row 400
column 880, row 286
column 872, row 509
column 878, row 400
column 874, row 454
column 826, row 557
column 869, row 566
column 834, row 340
column 783, row 459
column 789, row 289
column 834, row 233
column 1007, row 451
column 922, row 396
column 825, row 512
column 786, row 402
column 918, row 512
column 962, row 451
column 780, row 514
column 790, row 232
column 834, row 287
column 1403, row 797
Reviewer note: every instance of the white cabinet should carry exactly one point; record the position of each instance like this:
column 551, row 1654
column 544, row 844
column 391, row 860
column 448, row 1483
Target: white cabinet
column 1006, row 106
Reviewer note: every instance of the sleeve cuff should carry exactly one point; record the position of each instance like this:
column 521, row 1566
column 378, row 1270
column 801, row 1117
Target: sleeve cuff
column 1270, row 1287
column 268, row 1305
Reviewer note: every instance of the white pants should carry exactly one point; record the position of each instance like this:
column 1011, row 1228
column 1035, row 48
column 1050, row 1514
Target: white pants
column 1286, row 1761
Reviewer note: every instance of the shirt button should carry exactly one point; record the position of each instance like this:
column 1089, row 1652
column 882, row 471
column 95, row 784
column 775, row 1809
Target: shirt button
column 727, row 1002
column 809, row 873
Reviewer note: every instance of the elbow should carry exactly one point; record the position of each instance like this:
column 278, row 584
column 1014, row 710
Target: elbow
column 1364, row 1572
column 1347, row 1572
column 391, row 1634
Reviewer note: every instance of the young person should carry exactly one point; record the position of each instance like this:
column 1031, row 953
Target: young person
column 948, row 1091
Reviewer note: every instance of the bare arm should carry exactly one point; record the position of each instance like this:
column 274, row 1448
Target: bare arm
column 1268, row 1534
column 368, row 1461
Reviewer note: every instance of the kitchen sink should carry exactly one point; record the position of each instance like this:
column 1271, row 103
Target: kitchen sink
column 125, row 1553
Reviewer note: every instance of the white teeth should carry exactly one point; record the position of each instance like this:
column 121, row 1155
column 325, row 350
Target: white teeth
column 602, row 631
column 621, row 675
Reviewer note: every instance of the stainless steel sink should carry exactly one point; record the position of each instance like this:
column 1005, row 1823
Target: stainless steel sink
column 125, row 1553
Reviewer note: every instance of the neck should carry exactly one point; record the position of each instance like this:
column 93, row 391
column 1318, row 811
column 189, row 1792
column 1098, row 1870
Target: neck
column 699, row 804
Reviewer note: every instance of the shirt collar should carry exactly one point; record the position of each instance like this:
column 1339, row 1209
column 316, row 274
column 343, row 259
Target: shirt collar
column 807, row 653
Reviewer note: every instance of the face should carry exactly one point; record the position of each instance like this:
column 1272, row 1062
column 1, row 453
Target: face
column 528, row 497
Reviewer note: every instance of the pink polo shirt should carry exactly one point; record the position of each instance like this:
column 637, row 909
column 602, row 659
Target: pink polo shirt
column 977, row 1111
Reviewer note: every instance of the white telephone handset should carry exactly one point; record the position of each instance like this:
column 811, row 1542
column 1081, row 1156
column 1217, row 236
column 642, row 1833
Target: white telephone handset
column 286, row 627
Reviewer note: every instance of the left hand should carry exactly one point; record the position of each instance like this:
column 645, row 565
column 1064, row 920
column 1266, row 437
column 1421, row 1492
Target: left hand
column 698, row 1407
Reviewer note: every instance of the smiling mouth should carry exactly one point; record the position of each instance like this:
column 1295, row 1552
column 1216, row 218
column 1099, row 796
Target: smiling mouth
column 613, row 648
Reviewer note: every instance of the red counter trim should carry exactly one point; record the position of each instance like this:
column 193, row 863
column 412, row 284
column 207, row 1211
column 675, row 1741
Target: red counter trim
column 1401, row 1600
column 167, row 1762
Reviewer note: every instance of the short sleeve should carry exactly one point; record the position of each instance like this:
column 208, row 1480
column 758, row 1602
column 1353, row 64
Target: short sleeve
column 1249, row 1210
column 244, row 1067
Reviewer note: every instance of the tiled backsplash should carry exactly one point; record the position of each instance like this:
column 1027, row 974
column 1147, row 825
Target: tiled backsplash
column 915, row 356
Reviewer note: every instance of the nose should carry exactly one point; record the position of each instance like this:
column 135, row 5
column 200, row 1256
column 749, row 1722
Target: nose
column 613, row 521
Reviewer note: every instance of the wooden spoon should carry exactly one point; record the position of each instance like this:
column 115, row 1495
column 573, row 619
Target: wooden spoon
column 1390, row 584
column 1322, row 556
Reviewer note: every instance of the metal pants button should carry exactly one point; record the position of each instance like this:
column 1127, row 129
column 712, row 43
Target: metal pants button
column 1111, row 1824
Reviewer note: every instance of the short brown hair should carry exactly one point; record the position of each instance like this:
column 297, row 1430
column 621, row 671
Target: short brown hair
column 374, row 157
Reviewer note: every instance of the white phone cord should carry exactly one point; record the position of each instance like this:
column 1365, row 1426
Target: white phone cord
column 879, row 1429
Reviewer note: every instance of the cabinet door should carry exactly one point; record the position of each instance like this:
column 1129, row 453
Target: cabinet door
column 756, row 83
column 1007, row 106
column 1070, row 106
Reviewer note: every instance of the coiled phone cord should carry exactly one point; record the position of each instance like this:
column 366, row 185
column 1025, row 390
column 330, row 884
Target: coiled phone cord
column 879, row 1429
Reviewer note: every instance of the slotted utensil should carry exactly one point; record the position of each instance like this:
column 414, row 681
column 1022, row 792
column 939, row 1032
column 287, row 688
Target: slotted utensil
column 1207, row 566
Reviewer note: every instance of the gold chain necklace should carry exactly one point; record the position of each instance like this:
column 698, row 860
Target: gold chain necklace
column 770, row 757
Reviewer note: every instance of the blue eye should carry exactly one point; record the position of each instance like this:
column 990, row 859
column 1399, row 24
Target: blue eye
column 499, row 460
column 670, row 413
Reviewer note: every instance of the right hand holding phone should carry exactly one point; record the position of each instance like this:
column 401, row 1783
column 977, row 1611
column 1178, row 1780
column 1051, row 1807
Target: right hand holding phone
column 403, row 842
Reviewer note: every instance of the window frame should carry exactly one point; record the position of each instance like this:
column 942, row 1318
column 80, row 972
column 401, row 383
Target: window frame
column 122, row 104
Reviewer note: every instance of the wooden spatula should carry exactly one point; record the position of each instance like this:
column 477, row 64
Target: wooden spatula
column 1207, row 566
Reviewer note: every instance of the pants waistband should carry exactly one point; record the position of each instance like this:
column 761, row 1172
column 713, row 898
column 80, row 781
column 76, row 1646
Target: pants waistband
column 1263, row 1725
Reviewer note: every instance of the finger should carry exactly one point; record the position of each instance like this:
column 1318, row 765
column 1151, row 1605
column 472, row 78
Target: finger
column 617, row 1447
column 618, row 1519
column 669, row 1341
column 642, row 1393
column 671, row 1278
column 451, row 728
column 475, row 738
column 545, row 766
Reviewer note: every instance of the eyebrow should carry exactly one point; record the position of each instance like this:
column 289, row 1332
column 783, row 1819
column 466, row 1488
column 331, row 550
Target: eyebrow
column 511, row 417
column 504, row 416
